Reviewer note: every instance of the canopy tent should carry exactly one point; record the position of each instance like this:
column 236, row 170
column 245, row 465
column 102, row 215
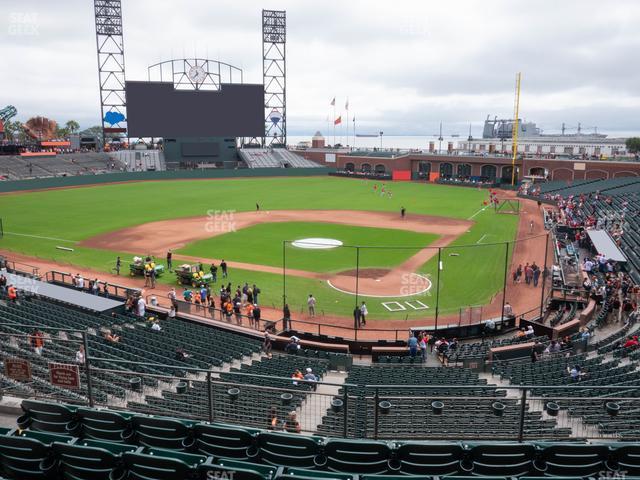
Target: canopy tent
column 604, row 245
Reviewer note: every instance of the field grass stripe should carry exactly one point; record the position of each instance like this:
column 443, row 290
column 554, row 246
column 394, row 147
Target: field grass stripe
column 40, row 237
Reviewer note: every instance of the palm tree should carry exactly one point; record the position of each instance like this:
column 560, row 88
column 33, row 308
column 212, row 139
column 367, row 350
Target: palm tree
column 72, row 126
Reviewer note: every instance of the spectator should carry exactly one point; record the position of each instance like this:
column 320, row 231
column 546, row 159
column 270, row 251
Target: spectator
column 181, row 354
column 293, row 346
column 141, row 307
column 286, row 317
column 508, row 310
column 256, row 315
column 36, row 339
column 111, row 337
column 363, row 314
column 422, row 343
column 292, row 425
column 311, row 305
column 576, row 373
column 309, row 376
column 412, row 343
column 80, row 357
column 530, row 332
column 155, row 326
column 297, row 375
column 273, row 419
column 3, row 283
column 266, row 345
column 631, row 343
column 554, row 347
column 12, row 293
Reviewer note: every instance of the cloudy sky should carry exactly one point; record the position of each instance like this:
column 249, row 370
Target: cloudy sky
column 405, row 65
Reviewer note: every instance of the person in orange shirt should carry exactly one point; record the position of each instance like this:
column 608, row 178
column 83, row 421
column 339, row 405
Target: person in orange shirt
column 12, row 293
column 249, row 313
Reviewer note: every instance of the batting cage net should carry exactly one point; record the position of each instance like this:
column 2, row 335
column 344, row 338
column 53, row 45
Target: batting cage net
column 508, row 206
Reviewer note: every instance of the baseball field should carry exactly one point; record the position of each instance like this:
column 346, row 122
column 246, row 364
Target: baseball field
column 392, row 262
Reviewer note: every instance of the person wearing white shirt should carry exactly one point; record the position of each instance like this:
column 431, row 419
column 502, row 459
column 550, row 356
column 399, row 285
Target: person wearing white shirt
column 141, row 307
column 80, row 357
column 155, row 326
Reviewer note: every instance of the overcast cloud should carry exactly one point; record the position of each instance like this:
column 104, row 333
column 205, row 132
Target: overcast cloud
column 405, row 65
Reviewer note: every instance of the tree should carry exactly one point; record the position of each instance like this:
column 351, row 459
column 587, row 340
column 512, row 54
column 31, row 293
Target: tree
column 72, row 126
column 633, row 144
column 95, row 131
column 61, row 132
column 15, row 131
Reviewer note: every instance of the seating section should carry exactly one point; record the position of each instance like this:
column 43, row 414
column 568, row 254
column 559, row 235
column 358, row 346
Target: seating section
column 412, row 416
column 16, row 167
column 140, row 160
column 253, row 404
column 52, row 443
column 206, row 347
column 274, row 158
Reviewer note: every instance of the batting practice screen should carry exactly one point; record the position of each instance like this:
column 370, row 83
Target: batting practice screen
column 156, row 109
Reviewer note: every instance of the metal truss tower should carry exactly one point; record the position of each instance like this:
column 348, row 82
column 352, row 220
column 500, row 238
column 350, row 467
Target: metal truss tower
column 274, row 36
column 110, row 45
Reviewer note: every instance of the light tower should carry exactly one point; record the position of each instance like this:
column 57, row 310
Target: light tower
column 274, row 36
column 110, row 46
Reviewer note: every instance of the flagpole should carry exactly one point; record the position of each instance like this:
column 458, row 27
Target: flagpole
column 354, row 132
column 334, row 122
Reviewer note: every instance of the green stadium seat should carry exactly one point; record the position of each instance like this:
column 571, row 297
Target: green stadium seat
column 627, row 459
column 357, row 456
column 224, row 441
column 429, row 458
column 212, row 470
column 80, row 462
column 140, row 466
column 288, row 450
column 104, row 425
column 266, row 471
column 157, row 432
column 47, row 417
column 573, row 460
column 22, row 457
column 302, row 474
column 502, row 459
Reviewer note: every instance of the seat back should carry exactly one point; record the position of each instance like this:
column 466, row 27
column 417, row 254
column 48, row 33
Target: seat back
column 627, row 458
column 162, row 433
column 288, row 450
column 150, row 467
column 87, row 463
column 574, row 460
column 502, row 459
column 46, row 417
column 357, row 456
column 21, row 457
column 234, row 470
column 426, row 458
column 224, row 441
column 104, row 425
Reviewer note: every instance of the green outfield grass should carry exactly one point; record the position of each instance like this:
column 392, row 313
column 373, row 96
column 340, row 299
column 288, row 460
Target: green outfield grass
column 263, row 245
column 72, row 215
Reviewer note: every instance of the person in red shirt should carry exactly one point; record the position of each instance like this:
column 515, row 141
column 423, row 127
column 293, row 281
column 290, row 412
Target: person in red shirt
column 632, row 342
column 12, row 293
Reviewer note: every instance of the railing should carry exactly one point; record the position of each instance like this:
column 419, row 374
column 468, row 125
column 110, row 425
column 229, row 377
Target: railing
column 20, row 268
column 379, row 411
column 105, row 289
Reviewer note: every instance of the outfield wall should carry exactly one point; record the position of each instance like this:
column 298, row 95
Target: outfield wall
column 83, row 180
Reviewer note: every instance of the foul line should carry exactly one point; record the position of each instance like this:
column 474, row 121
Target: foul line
column 479, row 211
column 40, row 237
column 481, row 238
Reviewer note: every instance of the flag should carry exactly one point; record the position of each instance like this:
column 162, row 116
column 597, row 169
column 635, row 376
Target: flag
column 346, row 105
column 338, row 120
column 333, row 102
